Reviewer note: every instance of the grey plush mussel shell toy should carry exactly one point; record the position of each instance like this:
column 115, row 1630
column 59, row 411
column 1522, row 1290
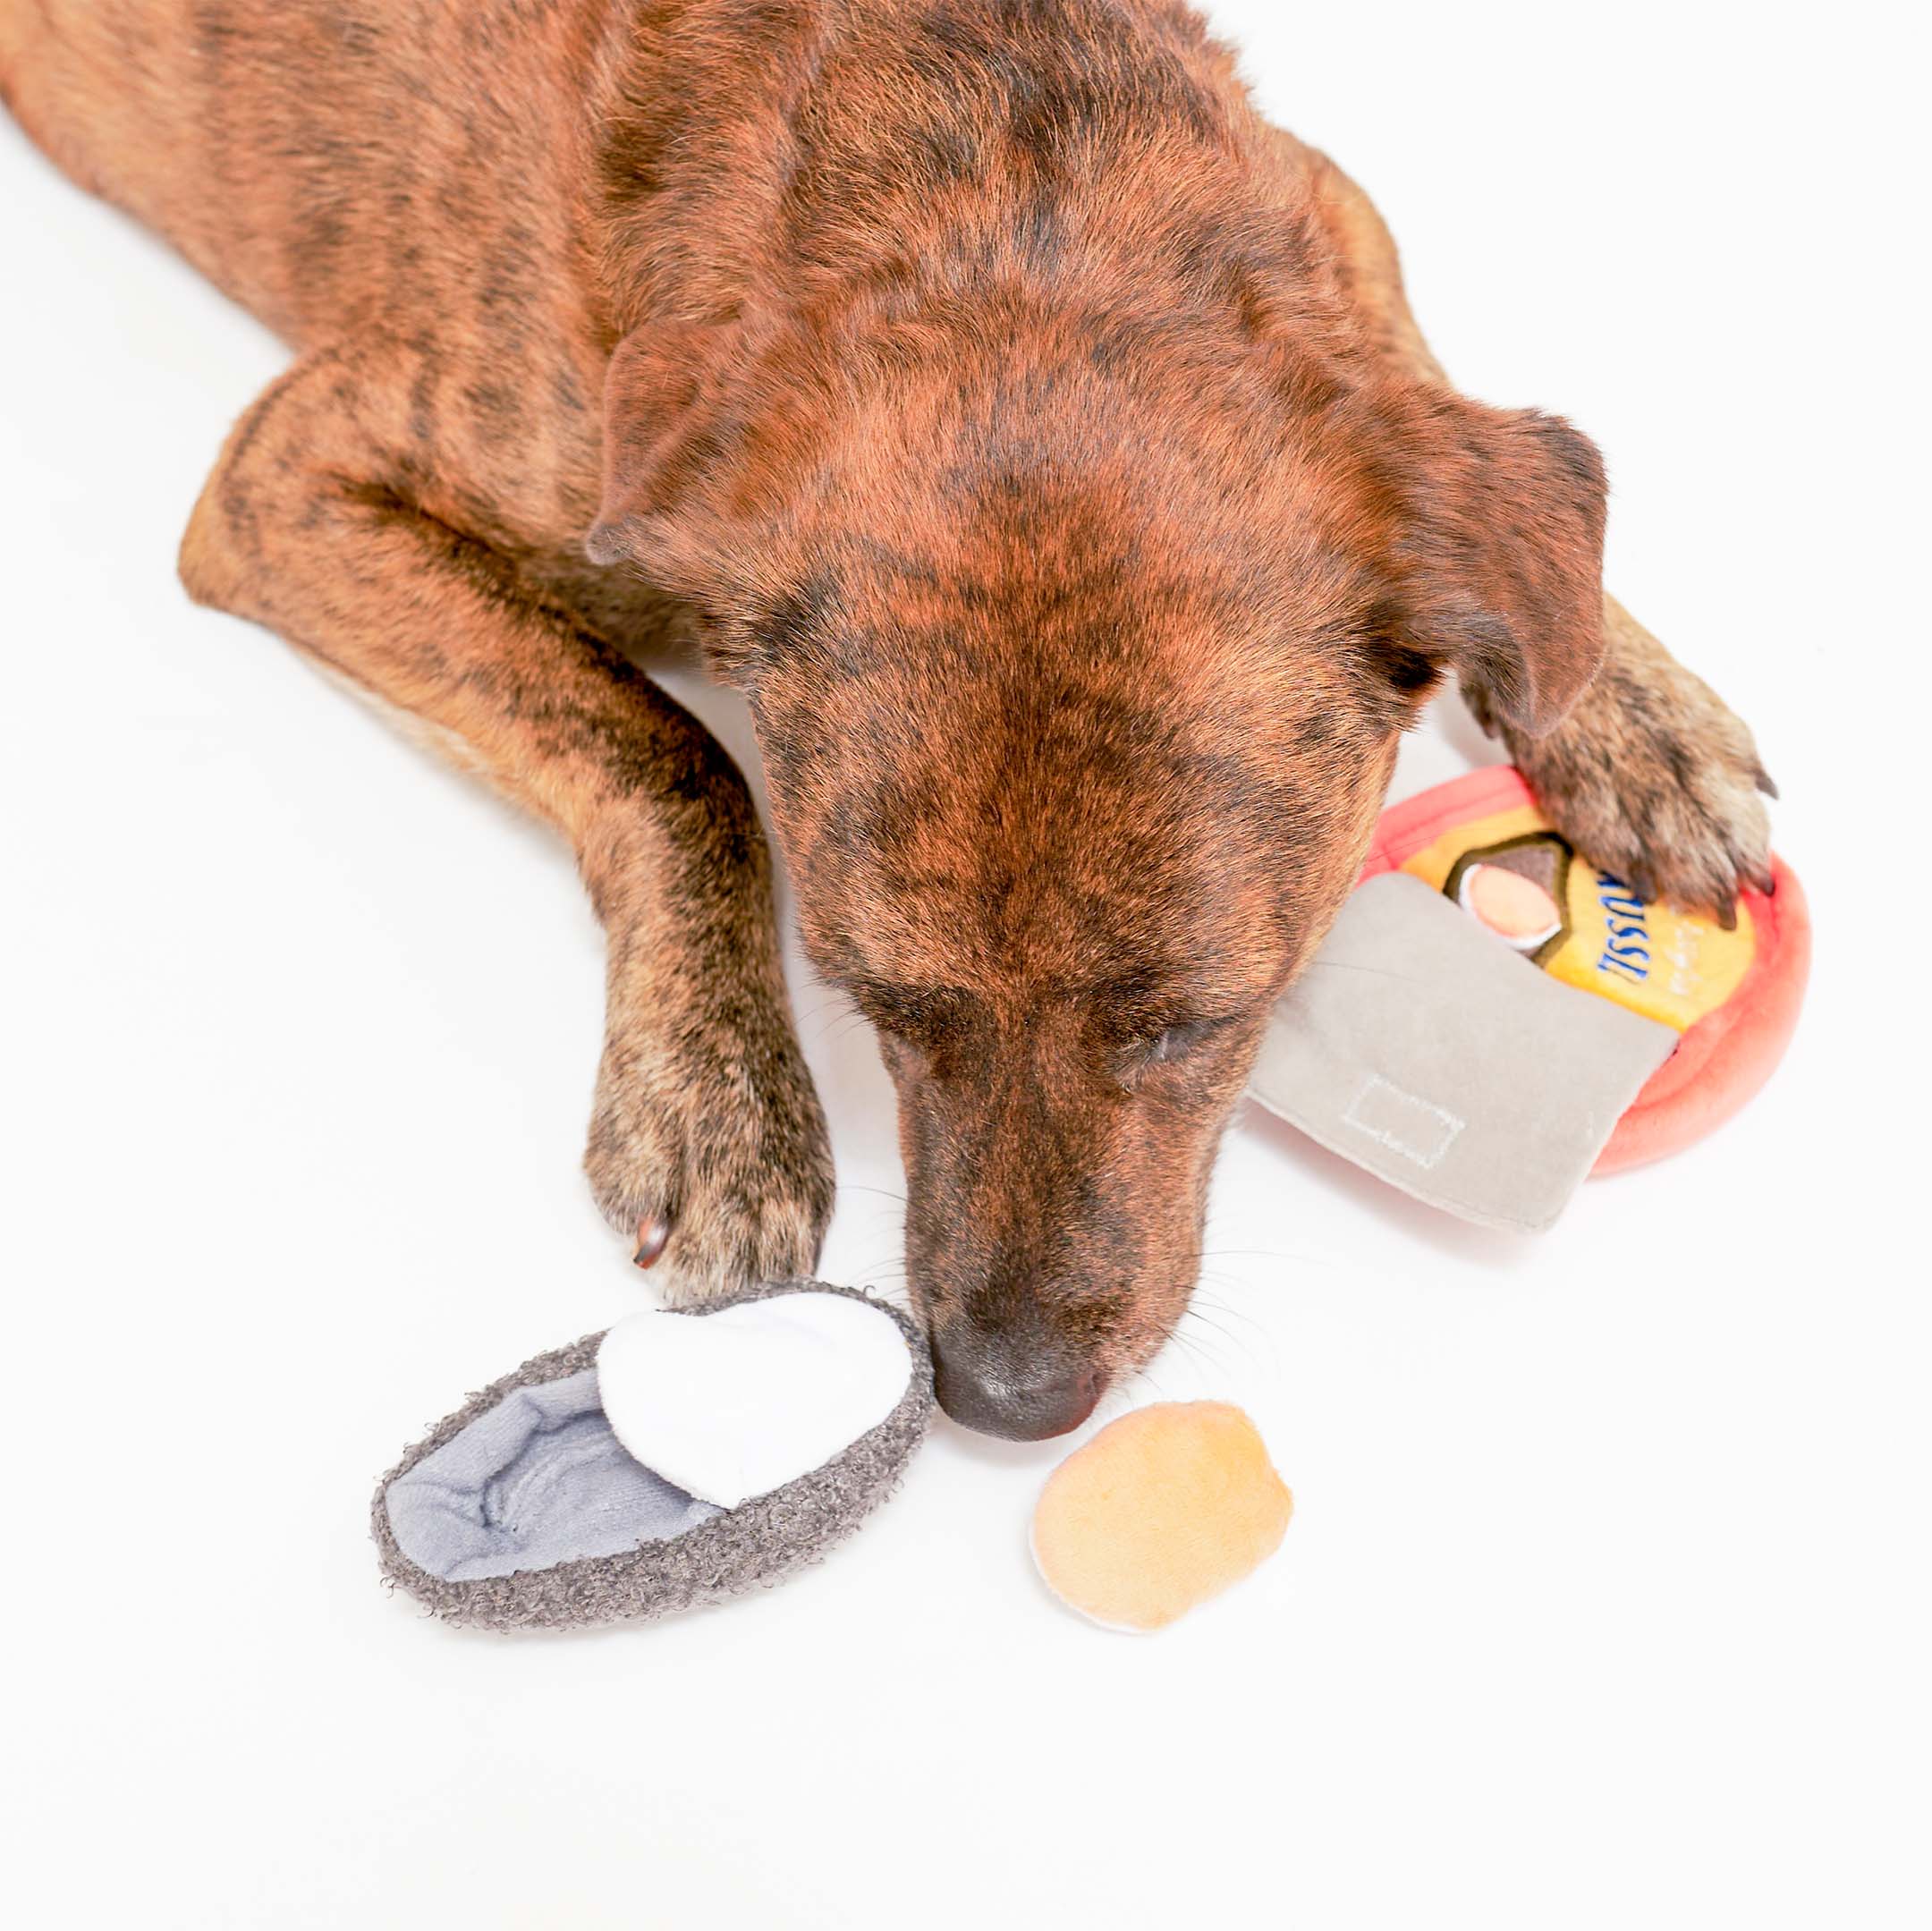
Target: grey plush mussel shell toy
column 530, row 1472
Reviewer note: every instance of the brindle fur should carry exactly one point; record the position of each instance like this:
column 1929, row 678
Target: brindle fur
column 1040, row 440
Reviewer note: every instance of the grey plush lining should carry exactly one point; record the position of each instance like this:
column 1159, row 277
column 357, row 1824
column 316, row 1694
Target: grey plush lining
column 538, row 1479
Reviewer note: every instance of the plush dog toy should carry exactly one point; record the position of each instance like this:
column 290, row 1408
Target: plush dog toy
column 679, row 1458
column 1162, row 1510
column 1492, row 1019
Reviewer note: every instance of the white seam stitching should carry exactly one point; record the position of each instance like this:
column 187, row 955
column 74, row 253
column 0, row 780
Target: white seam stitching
column 1386, row 1137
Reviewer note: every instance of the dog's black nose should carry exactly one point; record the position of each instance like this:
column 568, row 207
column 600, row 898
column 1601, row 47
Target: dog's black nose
column 1000, row 1386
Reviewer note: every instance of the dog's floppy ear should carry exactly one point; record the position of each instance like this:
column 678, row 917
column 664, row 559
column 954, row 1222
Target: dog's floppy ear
column 1499, row 554
column 676, row 427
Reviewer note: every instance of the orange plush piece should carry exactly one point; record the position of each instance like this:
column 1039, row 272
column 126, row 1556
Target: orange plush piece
column 1162, row 1510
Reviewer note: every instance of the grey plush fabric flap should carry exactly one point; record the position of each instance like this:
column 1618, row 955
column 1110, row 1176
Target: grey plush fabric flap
column 1418, row 1045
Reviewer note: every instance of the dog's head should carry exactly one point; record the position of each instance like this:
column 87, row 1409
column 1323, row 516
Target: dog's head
column 1078, row 672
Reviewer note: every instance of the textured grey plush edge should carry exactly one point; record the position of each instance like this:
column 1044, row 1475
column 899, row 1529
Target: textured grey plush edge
column 747, row 1547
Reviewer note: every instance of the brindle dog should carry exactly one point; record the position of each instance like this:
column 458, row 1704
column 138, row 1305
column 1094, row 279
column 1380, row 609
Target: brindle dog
column 1038, row 438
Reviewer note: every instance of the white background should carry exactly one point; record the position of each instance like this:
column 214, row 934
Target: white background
column 1606, row 1601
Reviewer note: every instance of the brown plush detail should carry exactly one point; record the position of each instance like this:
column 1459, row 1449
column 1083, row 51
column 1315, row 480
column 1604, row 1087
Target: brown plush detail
column 747, row 1547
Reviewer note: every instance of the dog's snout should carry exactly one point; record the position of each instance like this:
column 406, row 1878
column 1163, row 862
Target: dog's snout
column 1000, row 1386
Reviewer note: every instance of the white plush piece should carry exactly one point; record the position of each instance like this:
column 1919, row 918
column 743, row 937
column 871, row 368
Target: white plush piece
column 735, row 1404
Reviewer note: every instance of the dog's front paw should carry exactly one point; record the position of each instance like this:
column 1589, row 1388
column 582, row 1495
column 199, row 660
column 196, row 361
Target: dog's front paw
column 1653, row 778
column 707, row 1149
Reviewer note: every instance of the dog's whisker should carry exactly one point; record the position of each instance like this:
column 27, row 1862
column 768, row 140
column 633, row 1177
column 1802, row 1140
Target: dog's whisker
column 1194, row 1314
column 1200, row 1309
column 1351, row 965
column 840, row 1029
column 858, row 1186
column 818, row 1023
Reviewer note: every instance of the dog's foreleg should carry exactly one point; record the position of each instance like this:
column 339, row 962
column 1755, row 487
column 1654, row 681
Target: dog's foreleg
column 319, row 523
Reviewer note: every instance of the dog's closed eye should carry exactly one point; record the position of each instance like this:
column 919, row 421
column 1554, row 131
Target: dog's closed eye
column 1176, row 1041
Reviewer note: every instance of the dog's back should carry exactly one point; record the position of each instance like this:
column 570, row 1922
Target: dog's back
column 357, row 170
column 333, row 165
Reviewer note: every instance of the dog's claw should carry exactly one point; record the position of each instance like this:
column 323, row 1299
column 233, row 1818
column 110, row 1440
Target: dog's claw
column 653, row 1236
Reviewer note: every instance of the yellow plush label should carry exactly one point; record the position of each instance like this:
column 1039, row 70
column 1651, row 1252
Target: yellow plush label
column 1664, row 964
column 1589, row 929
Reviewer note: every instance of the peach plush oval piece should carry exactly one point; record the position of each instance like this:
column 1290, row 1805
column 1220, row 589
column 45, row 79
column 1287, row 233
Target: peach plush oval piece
column 1514, row 907
column 1162, row 1510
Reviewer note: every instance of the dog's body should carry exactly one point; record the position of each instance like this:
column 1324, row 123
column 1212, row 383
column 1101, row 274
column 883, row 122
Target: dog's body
column 1042, row 442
